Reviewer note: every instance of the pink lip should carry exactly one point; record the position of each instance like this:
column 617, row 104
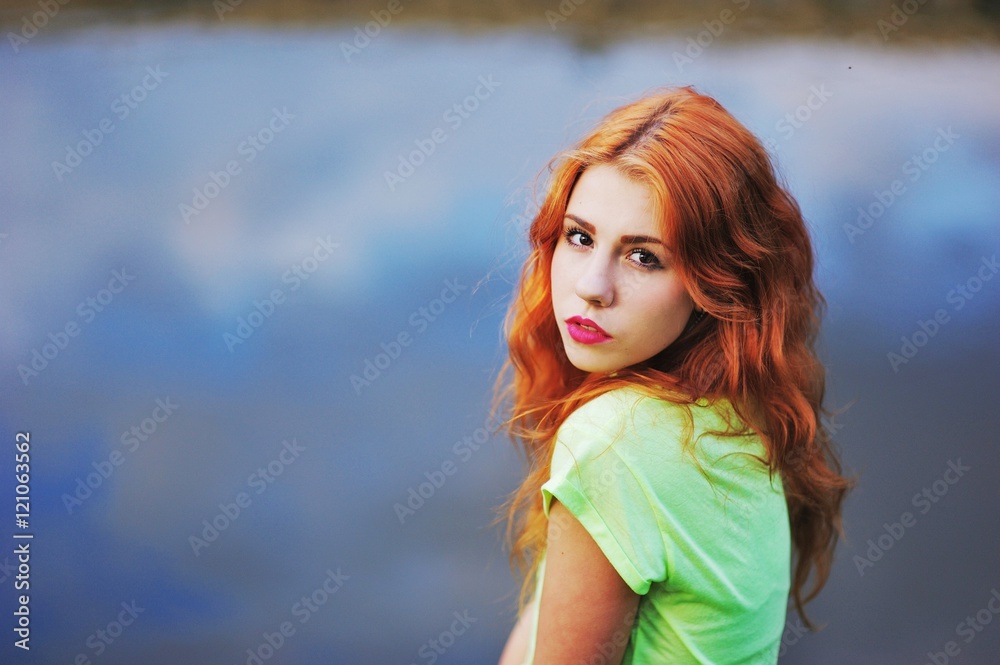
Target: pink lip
column 583, row 335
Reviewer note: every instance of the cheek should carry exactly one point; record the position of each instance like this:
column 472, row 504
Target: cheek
column 558, row 272
column 673, row 307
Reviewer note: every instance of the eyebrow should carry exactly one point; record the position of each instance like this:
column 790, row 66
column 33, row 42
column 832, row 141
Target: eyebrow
column 625, row 240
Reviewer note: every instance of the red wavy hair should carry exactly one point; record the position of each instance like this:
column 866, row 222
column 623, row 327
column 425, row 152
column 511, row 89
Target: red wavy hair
column 744, row 254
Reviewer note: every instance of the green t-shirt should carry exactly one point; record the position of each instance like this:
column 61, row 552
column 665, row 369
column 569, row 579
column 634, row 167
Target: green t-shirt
column 710, row 560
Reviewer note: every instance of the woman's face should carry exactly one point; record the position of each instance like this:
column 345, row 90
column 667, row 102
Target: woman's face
column 617, row 297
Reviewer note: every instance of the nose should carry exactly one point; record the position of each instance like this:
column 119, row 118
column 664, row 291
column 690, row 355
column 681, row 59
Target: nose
column 596, row 282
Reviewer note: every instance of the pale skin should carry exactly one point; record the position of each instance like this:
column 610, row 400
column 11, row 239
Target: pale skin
column 585, row 608
column 612, row 267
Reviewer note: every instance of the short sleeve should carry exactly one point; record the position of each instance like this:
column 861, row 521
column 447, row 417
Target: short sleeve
column 594, row 475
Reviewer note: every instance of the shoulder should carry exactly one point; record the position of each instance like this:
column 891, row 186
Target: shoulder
column 637, row 424
column 632, row 407
column 623, row 420
column 606, row 415
column 620, row 405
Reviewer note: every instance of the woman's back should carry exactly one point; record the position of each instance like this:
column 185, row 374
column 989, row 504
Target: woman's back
column 706, row 544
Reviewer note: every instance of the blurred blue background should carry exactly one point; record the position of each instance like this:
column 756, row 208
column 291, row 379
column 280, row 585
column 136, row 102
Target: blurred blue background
column 253, row 364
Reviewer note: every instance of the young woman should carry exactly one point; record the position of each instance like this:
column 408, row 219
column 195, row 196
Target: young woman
column 663, row 385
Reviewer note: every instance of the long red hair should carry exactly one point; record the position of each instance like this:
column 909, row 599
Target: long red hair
column 744, row 254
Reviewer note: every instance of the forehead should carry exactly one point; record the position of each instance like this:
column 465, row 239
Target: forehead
column 613, row 202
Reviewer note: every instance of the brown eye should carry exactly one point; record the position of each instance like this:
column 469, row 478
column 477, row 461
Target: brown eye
column 645, row 259
column 582, row 239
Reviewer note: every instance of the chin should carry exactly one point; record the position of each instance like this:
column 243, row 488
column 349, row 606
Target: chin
column 592, row 365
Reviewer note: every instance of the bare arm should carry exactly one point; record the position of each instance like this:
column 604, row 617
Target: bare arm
column 586, row 608
column 517, row 644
